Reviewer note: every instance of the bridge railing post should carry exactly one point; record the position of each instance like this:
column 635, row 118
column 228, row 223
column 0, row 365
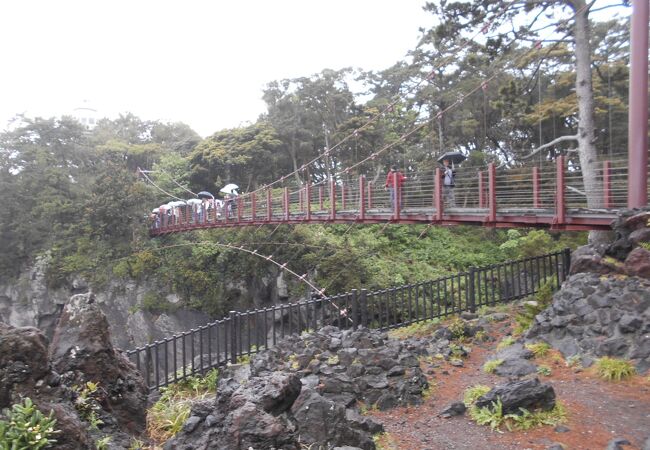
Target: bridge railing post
column 253, row 206
column 320, row 198
column 362, row 198
column 438, row 193
column 492, row 192
column 269, row 208
column 332, row 199
column 536, row 200
column 369, row 194
column 397, row 192
column 308, row 199
column 240, row 207
column 287, row 208
column 607, row 184
column 560, row 207
column 343, row 196
column 481, row 190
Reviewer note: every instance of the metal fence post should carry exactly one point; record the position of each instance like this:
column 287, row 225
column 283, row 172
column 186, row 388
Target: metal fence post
column 566, row 253
column 355, row 309
column 363, row 303
column 233, row 337
column 471, row 294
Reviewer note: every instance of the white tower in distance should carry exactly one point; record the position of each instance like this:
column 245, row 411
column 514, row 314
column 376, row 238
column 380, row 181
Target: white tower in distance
column 86, row 115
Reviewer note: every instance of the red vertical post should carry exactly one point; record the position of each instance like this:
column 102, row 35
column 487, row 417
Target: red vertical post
column 362, row 198
column 398, row 194
column 536, row 200
column 607, row 184
column 301, row 200
column 332, row 199
column 162, row 217
column 286, row 204
column 370, row 195
column 269, row 210
column 438, row 194
column 343, row 196
column 240, row 207
column 308, row 195
column 637, row 180
column 492, row 192
column 481, row 190
column 320, row 197
column 560, row 208
column 253, row 206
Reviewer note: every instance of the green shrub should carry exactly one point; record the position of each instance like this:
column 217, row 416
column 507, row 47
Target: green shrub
column 491, row 366
column 542, row 300
column 506, row 342
column 539, row 349
column 27, row 428
column 526, row 420
column 472, row 394
column 612, row 369
column 544, row 370
column 420, row 329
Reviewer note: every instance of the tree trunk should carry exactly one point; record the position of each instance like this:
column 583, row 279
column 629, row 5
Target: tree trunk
column 586, row 128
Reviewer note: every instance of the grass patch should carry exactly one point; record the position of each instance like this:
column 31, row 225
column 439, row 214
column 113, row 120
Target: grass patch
column 612, row 369
column 473, row 393
column 420, row 329
column 167, row 416
column 539, row 349
column 544, row 370
column 494, row 417
column 384, row 441
column 506, row 342
column 491, row 366
column 540, row 301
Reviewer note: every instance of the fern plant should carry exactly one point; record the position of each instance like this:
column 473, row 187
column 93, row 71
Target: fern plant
column 27, row 428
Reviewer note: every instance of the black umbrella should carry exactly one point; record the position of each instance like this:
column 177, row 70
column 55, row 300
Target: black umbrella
column 205, row 194
column 453, row 157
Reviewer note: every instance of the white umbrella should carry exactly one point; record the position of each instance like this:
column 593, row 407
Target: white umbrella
column 194, row 201
column 230, row 189
column 174, row 204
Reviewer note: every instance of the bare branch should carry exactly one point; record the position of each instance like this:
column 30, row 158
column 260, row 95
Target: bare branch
column 550, row 144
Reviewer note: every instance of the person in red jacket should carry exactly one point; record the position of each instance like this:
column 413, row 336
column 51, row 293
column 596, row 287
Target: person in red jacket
column 394, row 180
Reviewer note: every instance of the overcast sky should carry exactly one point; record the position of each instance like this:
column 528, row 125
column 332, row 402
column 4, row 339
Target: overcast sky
column 202, row 62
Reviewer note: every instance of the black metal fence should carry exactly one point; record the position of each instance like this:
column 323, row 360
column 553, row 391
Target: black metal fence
column 243, row 333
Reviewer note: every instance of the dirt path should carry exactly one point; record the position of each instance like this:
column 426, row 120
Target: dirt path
column 598, row 411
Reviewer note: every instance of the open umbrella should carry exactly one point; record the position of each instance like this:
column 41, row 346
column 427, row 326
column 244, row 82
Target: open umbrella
column 453, row 157
column 194, row 201
column 230, row 189
column 176, row 203
column 205, row 194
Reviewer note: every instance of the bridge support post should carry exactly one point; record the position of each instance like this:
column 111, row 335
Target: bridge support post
column 607, row 184
column 492, row 192
column 637, row 181
column 233, row 337
column 370, row 195
column 253, row 206
column 362, row 199
column 536, row 201
column 481, row 191
column 240, row 207
column 398, row 197
column 269, row 209
column 438, row 194
column 560, row 208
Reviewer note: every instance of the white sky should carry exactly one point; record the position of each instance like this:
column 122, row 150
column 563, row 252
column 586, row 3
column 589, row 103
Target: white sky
column 202, row 62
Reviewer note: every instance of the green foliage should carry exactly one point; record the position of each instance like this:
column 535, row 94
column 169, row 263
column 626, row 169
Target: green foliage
column 27, row 428
column 154, row 301
column 491, row 366
column 102, row 444
column 544, row 370
column 525, row 420
column 419, row 329
column 473, row 393
column 506, row 342
column 542, row 300
column 457, row 328
column 613, row 369
column 167, row 416
column 539, row 349
column 574, row 361
column 87, row 403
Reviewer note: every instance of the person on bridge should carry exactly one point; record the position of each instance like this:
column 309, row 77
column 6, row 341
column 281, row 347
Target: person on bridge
column 448, row 184
column 394, row 182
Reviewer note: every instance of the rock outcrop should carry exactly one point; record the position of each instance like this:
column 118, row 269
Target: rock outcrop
column 54, row 376
column 603, row 308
